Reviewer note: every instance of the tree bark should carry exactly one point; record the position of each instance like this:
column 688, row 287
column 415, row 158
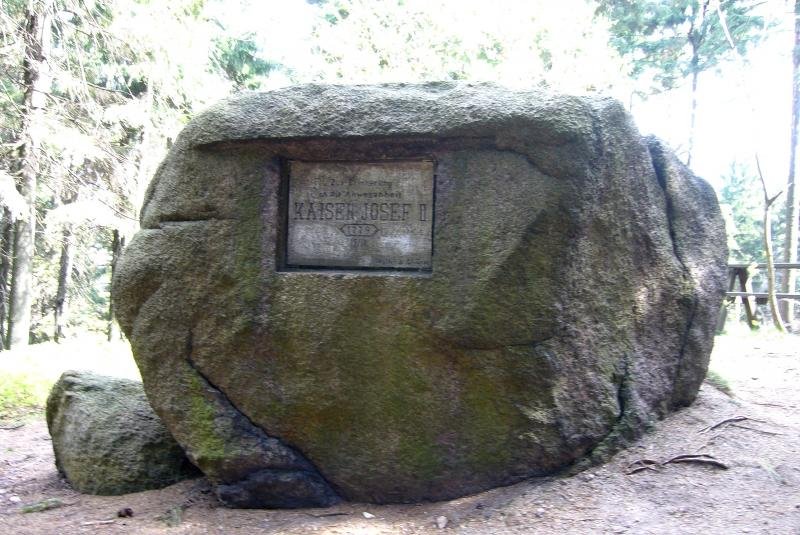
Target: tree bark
column 37, row 83
column 7, row 236
column 695, row 36
column 61, row 302
column 61, row 309
column 792, row 223
column 117, row 245
column 692, row 119
column 773, row 301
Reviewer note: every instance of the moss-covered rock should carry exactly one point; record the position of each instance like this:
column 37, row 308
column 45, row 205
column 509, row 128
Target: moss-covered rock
column 106, row 438
column 576, row 273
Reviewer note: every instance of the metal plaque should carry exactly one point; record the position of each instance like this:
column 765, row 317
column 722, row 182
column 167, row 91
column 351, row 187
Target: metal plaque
column 360, row 214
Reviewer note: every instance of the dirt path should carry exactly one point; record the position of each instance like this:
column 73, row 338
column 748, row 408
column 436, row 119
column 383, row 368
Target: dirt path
column 759, row 492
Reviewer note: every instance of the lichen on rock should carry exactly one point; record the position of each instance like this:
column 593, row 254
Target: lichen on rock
column 106, row 438
column 575, row 275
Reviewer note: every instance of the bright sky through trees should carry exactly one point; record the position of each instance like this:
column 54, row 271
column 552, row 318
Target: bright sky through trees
column 744, row 108
column 121, row 78
column 411, row 38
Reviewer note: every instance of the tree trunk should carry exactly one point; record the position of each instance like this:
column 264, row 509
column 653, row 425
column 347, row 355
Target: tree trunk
column 695, row 36
column 7, row 236
column 792, row 223
column 693, row 117
column 61, row 304
column 768, row 202
column 773, row 302
column 37, row 84
column 61, row 308
column 117, row 244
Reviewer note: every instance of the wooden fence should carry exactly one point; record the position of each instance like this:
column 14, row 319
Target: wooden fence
column 740, row 273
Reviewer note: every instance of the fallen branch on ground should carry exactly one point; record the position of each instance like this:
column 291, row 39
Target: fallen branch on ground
column 11, row 427
column 701, row 458
column 643, row 464
column 773, row 405
column 772, row 433
column 724, row 422
column 650, row 464
column 734, row 422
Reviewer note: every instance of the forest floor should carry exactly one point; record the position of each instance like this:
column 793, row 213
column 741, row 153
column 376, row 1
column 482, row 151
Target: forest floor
column 755, row 433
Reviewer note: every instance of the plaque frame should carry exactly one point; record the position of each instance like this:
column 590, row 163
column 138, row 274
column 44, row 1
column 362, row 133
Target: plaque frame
column 283, row 226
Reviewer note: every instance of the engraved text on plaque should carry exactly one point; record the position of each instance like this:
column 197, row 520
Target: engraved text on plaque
column 360, row 214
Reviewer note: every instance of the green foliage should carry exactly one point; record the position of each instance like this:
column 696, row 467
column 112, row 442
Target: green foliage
column 238, row 58
column 173, row 516
column 719, row 382
column 674, row 39
column 125, row 78
column 21, row 393
column 43, row 505
column 26, row 375
column 359, row 41
column 741, row 195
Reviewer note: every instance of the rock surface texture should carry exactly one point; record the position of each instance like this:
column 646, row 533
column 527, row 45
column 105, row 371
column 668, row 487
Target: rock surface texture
column 107, row 439
column 576, row 274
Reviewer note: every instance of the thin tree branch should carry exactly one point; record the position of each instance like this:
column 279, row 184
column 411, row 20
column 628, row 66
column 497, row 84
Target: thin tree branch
column 724, row 23
column 111, row 90
column 83, row 182
column 767, row 200
column 777, row 321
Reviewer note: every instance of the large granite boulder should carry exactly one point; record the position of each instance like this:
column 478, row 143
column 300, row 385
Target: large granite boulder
column 563, row 296
column 106, row 438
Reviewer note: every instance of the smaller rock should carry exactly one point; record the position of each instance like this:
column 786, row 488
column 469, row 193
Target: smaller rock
column 368, row 515
column 539, row 512
column 441, row 522
column 587, row 477
column 14, row 499
column 125, row 512
column 106, row 438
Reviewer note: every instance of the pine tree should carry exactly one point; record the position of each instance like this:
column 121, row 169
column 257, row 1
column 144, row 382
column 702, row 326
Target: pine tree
column 669, row 41
column 790, row 244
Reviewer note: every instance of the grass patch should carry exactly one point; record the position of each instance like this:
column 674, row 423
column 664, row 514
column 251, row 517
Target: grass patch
column 27, row 374
column 22, row 394
column 44, row 505
column 719, row 382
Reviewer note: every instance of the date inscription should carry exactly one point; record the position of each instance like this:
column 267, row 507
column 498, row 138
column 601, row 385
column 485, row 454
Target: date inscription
column 360, row 214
